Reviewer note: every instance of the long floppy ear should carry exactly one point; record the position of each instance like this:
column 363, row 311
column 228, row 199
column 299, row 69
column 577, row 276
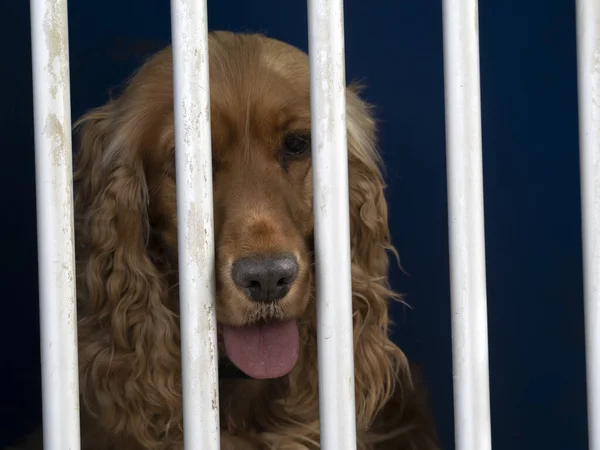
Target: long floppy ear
column 378, row 360
column 128, row 337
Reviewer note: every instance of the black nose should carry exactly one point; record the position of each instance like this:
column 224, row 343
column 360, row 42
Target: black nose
column 265, row 279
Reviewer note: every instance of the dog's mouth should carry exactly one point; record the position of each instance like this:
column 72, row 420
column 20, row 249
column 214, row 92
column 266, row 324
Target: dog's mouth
column 262, row 350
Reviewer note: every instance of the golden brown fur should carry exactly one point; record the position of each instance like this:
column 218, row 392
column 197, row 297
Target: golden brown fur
column 127, row 264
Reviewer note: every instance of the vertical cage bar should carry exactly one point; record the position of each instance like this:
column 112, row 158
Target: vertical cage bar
column 466, row 225
column 332, row 227
column 588, row 67
column 195, row 224
column 55, row 229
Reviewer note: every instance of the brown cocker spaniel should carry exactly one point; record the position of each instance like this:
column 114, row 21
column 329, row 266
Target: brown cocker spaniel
column 126, row 234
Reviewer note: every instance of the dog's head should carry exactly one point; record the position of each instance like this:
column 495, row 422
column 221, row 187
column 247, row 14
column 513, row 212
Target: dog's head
column 127, row 235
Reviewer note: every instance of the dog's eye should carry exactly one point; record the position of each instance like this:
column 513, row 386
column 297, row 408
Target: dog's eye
column 296, row 144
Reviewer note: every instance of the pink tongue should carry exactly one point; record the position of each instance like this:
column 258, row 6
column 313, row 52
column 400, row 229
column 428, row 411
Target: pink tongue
column 268, row 350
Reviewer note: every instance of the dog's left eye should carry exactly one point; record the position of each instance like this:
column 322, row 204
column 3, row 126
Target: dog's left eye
column 296, row 144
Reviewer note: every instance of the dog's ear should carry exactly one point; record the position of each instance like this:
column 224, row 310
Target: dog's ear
column 377, row 359
column 128, row 337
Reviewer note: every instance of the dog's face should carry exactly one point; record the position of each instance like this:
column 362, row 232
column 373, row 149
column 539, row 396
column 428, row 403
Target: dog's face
column 260, row 114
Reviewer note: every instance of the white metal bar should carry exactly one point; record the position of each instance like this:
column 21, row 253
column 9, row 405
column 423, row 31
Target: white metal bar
column 588, row 66
column 56, row 252
column 195, row 224
column 466, row 225
column 332, row 228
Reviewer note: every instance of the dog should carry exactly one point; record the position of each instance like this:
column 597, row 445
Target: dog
column 127, row 277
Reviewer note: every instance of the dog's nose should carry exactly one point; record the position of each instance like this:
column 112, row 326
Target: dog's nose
column 265, row 279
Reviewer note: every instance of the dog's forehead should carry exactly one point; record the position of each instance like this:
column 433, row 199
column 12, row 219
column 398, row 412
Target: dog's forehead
column 258, row 100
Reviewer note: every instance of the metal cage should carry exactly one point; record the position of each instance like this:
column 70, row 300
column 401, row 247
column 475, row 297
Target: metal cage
column 195, row 214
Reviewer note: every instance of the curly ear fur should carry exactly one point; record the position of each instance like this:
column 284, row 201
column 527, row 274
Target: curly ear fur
column 127, row 335
column 390, row 403
column 380, row 360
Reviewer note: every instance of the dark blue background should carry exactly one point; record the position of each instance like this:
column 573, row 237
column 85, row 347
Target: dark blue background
column 395, row 47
